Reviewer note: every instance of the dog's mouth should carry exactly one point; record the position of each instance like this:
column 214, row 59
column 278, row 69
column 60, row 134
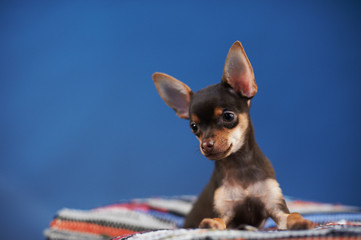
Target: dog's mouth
column 219, row 155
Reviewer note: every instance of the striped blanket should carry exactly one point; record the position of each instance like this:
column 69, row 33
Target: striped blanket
column 162, row 218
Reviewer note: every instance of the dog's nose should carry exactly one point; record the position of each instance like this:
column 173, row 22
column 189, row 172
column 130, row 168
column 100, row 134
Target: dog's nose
column 207, row 145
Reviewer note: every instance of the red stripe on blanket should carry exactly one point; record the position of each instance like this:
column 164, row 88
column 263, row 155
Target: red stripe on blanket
column 89, row 228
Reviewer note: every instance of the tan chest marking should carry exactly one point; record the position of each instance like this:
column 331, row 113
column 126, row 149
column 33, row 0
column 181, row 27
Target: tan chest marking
column 229, row 195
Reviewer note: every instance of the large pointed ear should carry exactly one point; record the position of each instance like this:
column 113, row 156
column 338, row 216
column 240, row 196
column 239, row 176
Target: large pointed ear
column 175, row 94
column 238, row 72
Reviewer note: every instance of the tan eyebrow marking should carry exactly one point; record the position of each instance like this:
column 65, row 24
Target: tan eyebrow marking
column 218, row 112
column 195, row 118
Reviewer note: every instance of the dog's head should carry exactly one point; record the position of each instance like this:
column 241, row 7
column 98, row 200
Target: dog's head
column 218, row 114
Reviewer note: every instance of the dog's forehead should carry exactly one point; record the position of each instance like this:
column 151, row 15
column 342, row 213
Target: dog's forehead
column 207, row 101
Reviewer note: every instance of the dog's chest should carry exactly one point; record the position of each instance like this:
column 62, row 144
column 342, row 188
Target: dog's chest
column 230, row 195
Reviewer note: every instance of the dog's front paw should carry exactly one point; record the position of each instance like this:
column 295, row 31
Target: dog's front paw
column 296, row 222
column 213, row 223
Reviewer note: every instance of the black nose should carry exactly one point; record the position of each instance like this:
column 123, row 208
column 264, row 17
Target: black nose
column 207, row 145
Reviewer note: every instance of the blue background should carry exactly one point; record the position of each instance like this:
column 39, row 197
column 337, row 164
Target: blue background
column 81, row 123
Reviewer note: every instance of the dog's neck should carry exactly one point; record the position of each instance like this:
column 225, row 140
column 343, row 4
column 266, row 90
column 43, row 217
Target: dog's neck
column 247, row 165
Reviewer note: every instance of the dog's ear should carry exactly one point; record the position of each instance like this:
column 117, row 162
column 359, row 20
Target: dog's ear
column 175, row 94
column 238, row 72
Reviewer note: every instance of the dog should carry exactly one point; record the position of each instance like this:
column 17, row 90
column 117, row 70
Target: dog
column 243, row 190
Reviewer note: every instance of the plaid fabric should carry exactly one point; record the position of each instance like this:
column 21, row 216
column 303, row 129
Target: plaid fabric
column 184, row 234
column 160, row 218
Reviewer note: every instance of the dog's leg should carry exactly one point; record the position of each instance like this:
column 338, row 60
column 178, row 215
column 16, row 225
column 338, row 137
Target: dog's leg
column 217, row 223
column 296, row 222
column 203, row 207
column 290, row 221
column 213, row 223
column 278, row 210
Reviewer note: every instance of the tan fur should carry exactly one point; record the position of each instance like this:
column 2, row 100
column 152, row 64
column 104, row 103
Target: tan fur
column 218, row 112
column 195, row 118
column 230, row 194
column 227, row 141
column 237, row 135
column 213, row 223
column 295, row 222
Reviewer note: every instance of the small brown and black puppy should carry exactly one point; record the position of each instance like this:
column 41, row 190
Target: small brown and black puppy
column 243, row 189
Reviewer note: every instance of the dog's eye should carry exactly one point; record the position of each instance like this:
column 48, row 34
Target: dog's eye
column 194, row 127
column 228, row 116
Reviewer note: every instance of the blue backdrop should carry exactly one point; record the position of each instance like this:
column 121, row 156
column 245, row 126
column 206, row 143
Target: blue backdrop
column 81, row 123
